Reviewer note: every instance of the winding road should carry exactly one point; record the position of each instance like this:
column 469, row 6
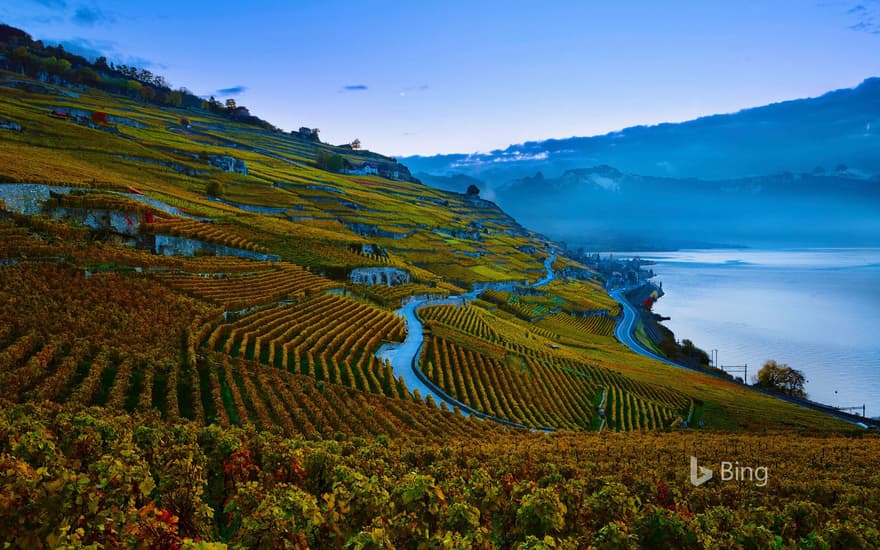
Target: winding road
column 625, row 332
column 404, row 357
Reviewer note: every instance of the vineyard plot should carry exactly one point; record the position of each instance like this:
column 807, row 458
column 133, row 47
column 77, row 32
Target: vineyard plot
column 281, row 281
column 328, row 337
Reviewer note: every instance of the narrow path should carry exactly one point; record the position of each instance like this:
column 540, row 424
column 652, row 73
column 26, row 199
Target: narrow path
column 404, row 357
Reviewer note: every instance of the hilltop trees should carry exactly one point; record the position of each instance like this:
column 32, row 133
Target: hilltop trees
column 50, row 63
column 782, row 379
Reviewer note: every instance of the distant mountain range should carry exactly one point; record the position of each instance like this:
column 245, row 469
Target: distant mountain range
column 794, row 173
column 603, row 208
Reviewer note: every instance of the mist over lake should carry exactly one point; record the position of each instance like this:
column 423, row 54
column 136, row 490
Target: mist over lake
column 816, row 309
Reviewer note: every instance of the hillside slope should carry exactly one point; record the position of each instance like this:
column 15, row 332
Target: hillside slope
column 285, row 208
column 194, row 311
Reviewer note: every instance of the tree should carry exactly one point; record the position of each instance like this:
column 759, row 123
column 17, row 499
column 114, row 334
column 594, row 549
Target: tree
column 356, row 144
column 214, row 189
column 213, row 105
column 230, row 104
column 145, row 76
column 473, row 190
column 148, row 93
column 20, row 56
column 330, row 162
column 87, row 76
column 782, row 379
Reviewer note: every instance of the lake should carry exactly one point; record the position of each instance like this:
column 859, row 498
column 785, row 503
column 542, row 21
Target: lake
column 817, row 310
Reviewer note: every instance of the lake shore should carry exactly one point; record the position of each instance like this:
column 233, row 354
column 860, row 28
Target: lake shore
column 812, row 309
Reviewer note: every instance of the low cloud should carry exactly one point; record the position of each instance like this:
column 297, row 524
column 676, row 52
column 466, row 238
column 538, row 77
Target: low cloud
column 89, row 17
column 234, row 90
column 354, row 88
column 496, row 157
column 517, row 156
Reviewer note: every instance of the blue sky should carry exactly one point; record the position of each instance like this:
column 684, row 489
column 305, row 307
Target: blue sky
column 427, row 77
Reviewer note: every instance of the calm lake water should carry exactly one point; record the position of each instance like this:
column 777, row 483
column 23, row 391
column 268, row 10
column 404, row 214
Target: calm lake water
column 817, row 310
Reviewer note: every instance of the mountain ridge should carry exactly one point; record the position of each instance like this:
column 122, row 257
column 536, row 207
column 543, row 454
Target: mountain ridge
column 531, row 156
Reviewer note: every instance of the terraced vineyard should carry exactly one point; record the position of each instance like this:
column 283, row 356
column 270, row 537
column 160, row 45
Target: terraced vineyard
column 327, row 337
column 218, row 233
column 234, row 392
column 533, row 394
column 627, row 411
column 391, row 296
column 563, row 323
column 272, row 283
column 481, row 363
column 469, row 320
column 63, row 353
column 147, row 399
column 98, row 339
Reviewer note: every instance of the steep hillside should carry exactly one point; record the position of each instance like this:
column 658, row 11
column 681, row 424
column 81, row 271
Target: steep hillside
column 346, row 231
column 190, row 298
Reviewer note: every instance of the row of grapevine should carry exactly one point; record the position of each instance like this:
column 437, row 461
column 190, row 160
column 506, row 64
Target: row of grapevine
column 521, row 390
column 467, row 319
column 97, row 201
column 328, row 337
column 565, row 324
column 625, row 411
column 392, row 296
column 666, row 397
column 18, row 244
column 453, row 371
column 280, row 282
column 219, row 233
column 107, row 339
column 510, row 303
column 240, row 392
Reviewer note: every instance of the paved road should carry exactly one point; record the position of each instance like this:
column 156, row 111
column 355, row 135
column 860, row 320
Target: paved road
column 401, row 356
column 404, row 356
column 625, row 330
column 548, row 265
